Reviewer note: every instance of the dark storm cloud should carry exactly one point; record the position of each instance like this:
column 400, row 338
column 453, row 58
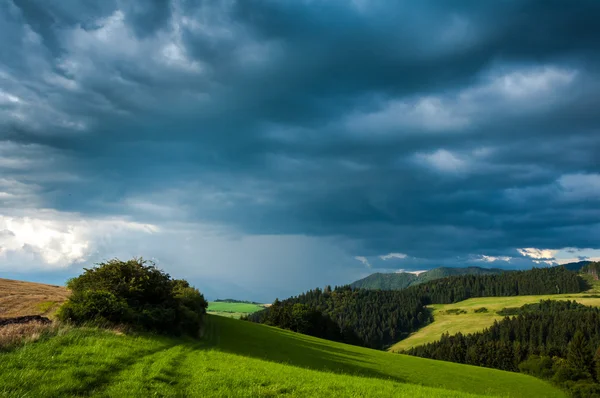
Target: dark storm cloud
column 432, row 129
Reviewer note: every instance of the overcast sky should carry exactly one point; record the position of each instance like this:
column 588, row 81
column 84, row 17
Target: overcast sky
column 263, row 148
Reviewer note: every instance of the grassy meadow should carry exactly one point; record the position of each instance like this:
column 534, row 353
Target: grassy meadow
column 232, row 310
column 446, row 320
column 241, row 359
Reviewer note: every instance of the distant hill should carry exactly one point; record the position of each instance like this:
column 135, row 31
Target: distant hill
column 402, row 280
column 19, row 298
column 576, row 266
column 236, row 301
column 395, row 281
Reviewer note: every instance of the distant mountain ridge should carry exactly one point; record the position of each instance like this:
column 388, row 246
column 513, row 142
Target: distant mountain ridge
column 577, row 266
column 402, row 280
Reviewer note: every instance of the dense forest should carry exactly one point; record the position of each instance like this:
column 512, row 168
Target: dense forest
column 577, row 266
column 555, row 340
column 592, row 269
column 377, row 319
column 552, row 280
column 371, row 318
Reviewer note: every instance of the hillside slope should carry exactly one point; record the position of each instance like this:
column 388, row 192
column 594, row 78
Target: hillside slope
column 576, row 266
column 461, row 317
column 238, row 358
column 386, row 281
column 402, row 280
column 19, row 298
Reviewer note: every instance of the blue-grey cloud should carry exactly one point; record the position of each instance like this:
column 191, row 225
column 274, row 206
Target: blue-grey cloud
column 444, row 132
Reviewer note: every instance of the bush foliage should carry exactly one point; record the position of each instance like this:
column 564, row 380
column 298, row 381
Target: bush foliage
column 137, row 294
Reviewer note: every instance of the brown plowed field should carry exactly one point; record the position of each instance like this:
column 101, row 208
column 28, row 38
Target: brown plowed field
column 19, row 298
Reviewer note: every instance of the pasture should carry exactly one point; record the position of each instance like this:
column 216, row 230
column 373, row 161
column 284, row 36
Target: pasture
column 237, row 358
column 447, row 320
column 232, row 310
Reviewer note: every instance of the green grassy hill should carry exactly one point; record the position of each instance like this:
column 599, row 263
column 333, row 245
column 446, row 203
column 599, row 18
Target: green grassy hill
column 402, row 280
column 232, row 310
column 241, row 359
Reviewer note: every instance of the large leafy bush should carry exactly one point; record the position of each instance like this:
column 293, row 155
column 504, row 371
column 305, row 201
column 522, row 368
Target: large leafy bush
column 137, row 294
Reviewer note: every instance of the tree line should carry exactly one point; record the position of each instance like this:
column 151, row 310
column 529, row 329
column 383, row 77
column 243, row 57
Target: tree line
column 371, row 318
column 555, row 340
column 552, row 280
column 592, row 269
column 379, row 318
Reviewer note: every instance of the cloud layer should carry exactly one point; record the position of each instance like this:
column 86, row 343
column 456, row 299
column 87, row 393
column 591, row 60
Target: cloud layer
column 426, row 134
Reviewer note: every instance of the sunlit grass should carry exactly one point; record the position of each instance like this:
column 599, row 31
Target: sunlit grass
column 232, row 310
column 475, row 322
column 237, row 358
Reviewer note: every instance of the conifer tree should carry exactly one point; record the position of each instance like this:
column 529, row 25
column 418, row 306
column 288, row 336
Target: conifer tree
column 579, row 354
column 597, row 365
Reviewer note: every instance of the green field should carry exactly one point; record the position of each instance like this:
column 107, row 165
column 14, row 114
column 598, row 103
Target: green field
column 471, row 322
column 232, row 310
column 237, row 358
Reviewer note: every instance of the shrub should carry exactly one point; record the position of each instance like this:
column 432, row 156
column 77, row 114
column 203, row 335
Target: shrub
column 137, row 294
column 97, row 306
column 480, row 310
column 455, row 311
column 192, row 306
column 565, row 372
column 509, row 311
column 537, row 366
column 582, row 389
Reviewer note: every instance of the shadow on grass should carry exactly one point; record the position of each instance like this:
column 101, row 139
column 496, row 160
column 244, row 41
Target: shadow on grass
column 223, row 334
column 277, row 345
column 92, row 377
column 95, row 380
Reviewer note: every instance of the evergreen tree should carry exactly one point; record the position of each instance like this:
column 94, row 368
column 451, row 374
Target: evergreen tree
column 597, row 365
column 579, row 354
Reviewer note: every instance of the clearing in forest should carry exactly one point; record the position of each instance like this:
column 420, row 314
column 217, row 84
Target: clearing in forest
column 476, row 314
